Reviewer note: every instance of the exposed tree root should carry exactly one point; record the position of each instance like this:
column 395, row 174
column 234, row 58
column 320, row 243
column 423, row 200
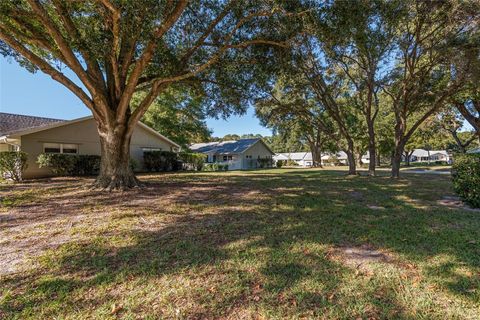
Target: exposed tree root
column 116, row 183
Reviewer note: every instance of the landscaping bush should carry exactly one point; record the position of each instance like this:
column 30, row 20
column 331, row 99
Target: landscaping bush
column 280, row 163
column 160, row 161
column 466, row 178
column 291, row 163
column 215, row 167
column 265, row 163
column 210, row 167
column 13, row 164
column 192, row 161
column 70, row 164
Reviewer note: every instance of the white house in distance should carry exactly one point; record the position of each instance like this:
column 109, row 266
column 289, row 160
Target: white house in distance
column 35, row 135
column 421, row 155
column 241, row 154
column 304, row 159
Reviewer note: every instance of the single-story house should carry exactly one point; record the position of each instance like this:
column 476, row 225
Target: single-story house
column 303, row 159
column 36, row 135
column 421, row 155
column 238, row 155
column 475, row 150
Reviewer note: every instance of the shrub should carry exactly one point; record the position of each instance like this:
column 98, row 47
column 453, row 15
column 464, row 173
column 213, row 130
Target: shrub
column 160, row 160
column 280, row 163
column 291, row 163
column 192, row 161
column 70, row 164
column 13, row 164
column 210, row 167
column 466, row 178
column 215, row 167
column 133, row 164
column 264, row 163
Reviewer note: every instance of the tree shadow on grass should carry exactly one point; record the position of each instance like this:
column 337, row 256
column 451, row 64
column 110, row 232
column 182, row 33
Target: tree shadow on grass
column 254, row 236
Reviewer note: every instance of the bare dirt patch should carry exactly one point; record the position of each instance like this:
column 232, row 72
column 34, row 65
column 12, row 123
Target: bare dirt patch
column 455, row 202
column 45, row 214
column 374, row 207
column 360, row 257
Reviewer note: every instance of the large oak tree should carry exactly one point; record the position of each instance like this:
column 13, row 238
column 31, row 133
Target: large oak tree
column 117, row 47
column 430, row 33
column 291, row 108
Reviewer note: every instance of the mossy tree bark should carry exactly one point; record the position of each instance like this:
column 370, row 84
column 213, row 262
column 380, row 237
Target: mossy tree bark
column 115, row 169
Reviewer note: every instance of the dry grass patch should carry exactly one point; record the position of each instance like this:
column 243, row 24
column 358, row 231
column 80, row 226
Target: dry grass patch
column 239, row 245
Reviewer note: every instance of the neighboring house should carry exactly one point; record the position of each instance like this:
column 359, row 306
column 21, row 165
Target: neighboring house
column 35, row 135
column 239, row 155
column 421, row 155
column 303, row 159
column 476, row 150
column 339, row 158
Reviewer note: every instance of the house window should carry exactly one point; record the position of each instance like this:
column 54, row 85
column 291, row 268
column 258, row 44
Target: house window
column 70, row 148
column 151, row 149
column 60, row 148
column 226, row 158
column 248, row 157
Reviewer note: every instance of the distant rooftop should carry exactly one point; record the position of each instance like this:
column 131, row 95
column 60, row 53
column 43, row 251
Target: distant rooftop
column 425, row 153
column 11, row 123
column 476, row 150
column 224, row 147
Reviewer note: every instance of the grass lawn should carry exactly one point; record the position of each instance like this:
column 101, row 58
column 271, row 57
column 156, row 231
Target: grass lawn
column 272, row 244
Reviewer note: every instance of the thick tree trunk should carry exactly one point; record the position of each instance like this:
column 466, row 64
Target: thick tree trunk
column 115, row 171
column 372, row 149
column 352, row 168
column 407, row 158
column 316, row 156
column 397, row 158
column 358, row 159
column 399, row 148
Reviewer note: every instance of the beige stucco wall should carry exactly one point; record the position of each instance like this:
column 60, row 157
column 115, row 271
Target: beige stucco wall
column 256, row 151
column 84, row 134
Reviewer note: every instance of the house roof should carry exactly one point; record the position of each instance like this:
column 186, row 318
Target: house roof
column 296, row 156
column 280, row 156
column 307, row 156
column 424, row 153
column 49, row 123
column 227, row 147
column 11, row 123
column 475, row 150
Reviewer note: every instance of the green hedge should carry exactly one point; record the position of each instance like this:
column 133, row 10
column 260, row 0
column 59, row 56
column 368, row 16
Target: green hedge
column 70, row 164
column 172, row 161
column 160, row 161
column 265, row 163
column 215, row 167
column 192, row 161
column 466, row 178
column 13, row 164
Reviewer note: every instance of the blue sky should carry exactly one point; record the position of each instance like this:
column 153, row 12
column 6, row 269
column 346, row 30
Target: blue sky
column 37, row 94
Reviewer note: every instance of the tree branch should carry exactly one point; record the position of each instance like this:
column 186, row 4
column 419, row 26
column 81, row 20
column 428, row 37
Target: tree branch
column 70, row 58
column 145, row 58
column 48, row 69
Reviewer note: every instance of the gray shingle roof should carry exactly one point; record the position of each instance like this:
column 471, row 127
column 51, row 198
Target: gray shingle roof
column 11, row 123
column 224, row 147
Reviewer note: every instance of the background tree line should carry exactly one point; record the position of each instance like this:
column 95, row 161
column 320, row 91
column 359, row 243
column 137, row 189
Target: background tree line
column 358, row 76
